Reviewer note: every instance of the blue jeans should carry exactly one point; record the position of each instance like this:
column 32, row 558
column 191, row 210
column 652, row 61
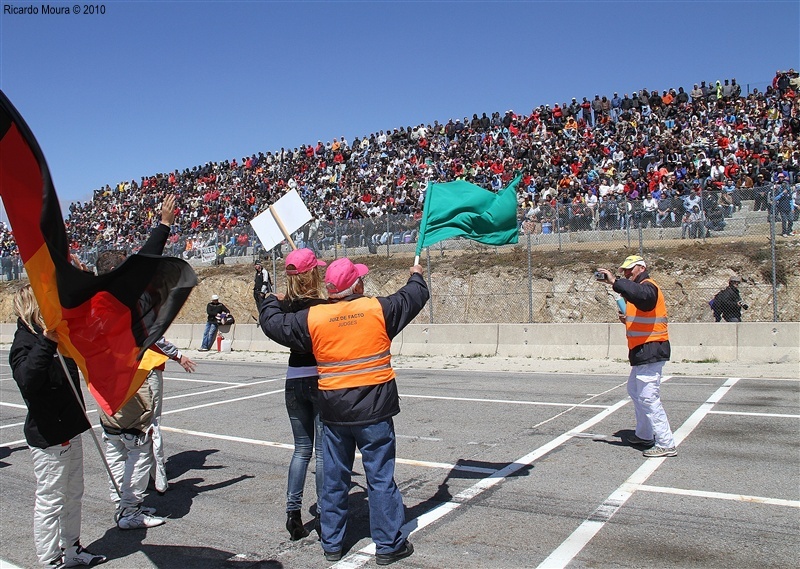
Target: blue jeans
column 301, row 403
column 209, row 335
column 377, row 445
column 786, row 222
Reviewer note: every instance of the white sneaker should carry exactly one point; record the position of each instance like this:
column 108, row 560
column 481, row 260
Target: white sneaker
column 138, row 520
column 77, row 556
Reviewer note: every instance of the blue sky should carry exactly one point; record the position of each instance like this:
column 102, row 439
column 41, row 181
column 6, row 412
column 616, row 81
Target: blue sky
column 154, row 86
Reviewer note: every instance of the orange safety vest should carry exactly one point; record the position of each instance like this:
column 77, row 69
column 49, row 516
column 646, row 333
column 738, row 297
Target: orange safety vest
column 350, row 343
column 642, row 326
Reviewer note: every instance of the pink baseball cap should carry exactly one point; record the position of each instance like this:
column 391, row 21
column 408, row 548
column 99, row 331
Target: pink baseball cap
column 303, row 260
column 342, row 274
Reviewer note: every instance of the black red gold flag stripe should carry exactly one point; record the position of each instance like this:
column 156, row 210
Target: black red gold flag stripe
column 105, row 323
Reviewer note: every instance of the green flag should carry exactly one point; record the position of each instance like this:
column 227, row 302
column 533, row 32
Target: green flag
column 461, row 209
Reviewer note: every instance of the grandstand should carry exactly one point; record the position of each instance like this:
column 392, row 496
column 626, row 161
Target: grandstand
column 617, row 170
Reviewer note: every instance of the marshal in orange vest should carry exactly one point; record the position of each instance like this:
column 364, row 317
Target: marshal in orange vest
column 346, row 359
column 642, row 326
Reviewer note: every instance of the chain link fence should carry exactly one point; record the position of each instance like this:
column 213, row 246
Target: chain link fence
column 526, row 283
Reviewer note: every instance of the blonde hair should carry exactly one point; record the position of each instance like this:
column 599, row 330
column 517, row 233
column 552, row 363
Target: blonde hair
column 27, row 309
column 305, row 285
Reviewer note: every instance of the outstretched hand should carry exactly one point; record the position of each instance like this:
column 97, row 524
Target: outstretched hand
column 610, row 278
column 187, row 364
column 168, row 210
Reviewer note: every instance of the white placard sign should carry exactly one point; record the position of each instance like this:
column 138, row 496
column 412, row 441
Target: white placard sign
column 291, row 211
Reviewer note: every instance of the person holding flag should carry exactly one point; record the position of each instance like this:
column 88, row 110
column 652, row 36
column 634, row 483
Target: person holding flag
column 134, row 446
column 56, row 418
column 351, row 338
column 105, row 323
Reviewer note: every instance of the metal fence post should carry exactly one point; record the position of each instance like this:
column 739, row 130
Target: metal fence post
column 627, row 217
column 558, row 227
column 388, row 236
column 335, row 239
column 430, row 285
column 530, row 282
column 641, row 240
column 774, row 257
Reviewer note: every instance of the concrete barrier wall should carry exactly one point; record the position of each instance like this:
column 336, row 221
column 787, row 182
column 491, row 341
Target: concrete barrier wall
column 765, row 341
column 450, row 340
column 590, row 342
column 692, row 342
column 755, row 342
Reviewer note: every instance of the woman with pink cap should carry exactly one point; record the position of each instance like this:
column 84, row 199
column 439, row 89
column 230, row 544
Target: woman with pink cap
column 304, row 288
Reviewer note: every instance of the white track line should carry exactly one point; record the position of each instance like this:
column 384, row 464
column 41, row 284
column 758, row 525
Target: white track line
column 221, row 402
column 427, row 464
column 226, row 388
column 212, row 381
column 719, row 496
column 360, row 558
column 742, row 413
column 508, row 401
column 228, row 438
column 12, row 405
column 12, row 425
column 573, row 545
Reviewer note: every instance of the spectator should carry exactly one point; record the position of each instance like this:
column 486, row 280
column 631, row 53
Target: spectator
column 262, row 283
column 156, row 381
column 213, row 309
column 785, row 206
column 304, row 288
column 693, row 223
column 129, row 446
column 665, row 216
column 53, row 426
column 129, row 432
column 727, row 304
column 358, row 396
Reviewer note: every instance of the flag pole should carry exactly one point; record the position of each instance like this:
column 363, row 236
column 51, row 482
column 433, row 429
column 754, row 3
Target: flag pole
column 282, row 227
column 423, row 221
column 91, row 430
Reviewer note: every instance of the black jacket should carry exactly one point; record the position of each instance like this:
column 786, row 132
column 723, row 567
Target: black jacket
column 643, row 296
column 214, row 308
column 54, row 415
column 363, row 405
column 299, row 358
column 728, row 303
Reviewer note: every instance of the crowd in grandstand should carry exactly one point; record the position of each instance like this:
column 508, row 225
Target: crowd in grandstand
column 10, row 265
column 643, row 159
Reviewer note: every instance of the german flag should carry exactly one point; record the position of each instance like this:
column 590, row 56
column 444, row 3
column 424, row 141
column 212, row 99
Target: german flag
column 105, row 323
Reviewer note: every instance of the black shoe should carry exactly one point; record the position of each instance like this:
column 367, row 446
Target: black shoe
column 634, row 440
column 294, row 525
column 333, row 555
column 402, row 553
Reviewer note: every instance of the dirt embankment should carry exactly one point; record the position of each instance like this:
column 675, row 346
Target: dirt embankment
column 486, row 286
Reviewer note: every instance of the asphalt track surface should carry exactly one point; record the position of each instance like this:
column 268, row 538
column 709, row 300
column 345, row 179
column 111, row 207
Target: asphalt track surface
column 497, row 469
